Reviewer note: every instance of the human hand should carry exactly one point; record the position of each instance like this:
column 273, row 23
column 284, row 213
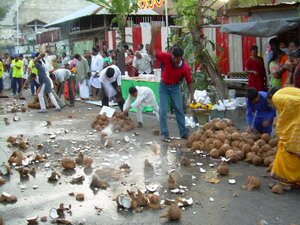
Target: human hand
column 254, row 72
column 42, row 55
column 267, row 123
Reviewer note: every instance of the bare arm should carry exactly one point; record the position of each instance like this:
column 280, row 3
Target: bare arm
column 191, row 90
column 40, row 56
column 154, row 32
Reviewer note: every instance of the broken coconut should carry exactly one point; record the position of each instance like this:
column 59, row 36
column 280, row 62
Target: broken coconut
column 52, row 175
column 124, row 201
column 277, row 189
column 124, row 166
column 87, row 162
column 5, row 197
column 67, row 163
column 32, row 219
column 252, row 183
column 172, row 182
column 173, row 213
column 184, row 161
column 79, row 159
column 53, row 214
column 2, row 181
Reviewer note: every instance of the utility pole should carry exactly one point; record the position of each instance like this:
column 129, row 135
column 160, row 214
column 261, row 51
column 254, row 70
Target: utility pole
column 17, row 50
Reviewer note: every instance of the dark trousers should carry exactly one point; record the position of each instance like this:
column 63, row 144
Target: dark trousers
column 33, row 86
column 120, row 100
column 1, row 85
column 60, row 90
column 16, row 84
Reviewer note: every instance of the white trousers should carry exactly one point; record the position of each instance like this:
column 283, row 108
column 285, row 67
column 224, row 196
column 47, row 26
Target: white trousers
column 42, row 99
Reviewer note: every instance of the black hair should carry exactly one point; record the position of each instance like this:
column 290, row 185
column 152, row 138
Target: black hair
column 294, row 54
column 110, row 72
column 272, row 91
column 76, row 56
column 276, row 53
column 21, row 55
column 274, row 41
column 52, row 76
column 141, row 45
column 105, row 53
column 125, row 46
column 177, row 52
column 252, row 93
column 95, row 49
column 254, row 47
column 37, row 54
column 132, row 90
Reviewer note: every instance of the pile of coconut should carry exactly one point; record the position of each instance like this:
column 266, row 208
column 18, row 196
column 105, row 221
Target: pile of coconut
column 34, row 104
column 119, row 122
column 220, row 137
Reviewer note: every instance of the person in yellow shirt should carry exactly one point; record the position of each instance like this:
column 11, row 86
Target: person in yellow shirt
column 32, row 70
column 17, row 75
column 1, row 76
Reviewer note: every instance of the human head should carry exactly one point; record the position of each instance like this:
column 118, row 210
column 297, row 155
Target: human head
column 105, row 54
column 33, row 76
column 283, row 45
column 133, row 92
column 113, row 54
column 271, row 93
column 277, row 55
column 177, row 54
column 147, row 47
column 126, row 47
column 252, row 95
column 129, row 51
column 294, row 57
column 77, row 56
column 274, row 43
column 110, row 72
column 138, row 54
column 294, row 45
column 64, row 54
column 95, row 51
column 140, row 47
column 254, row 50
column 21, row 56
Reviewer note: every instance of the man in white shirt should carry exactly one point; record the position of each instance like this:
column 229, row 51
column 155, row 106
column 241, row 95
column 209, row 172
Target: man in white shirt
column 142, row 63
column 143, row 96
column 61, row 76
column 64, row 59
column 96, row 67
column 110, row 79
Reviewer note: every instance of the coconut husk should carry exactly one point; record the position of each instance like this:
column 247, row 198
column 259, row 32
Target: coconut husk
column 252, row 183
column 68, row 164
column 223, row 168
column 172, row 184
column 79, row 159
column 214, row 153
column 2, row 181
column 184, row 161
column 87, row 162
column 173, row 213
column 277, row 189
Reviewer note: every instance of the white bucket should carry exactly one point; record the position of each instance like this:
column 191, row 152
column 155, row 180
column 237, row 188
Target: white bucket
column 231, row 93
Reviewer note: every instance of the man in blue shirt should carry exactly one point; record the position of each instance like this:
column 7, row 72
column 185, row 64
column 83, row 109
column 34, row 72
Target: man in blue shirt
column 260, row 114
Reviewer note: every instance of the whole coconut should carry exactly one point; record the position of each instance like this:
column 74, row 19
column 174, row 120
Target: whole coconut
column 249, row 157
column 228, row 152
column 209, row 141
column 273, row 142
column 173, row 213
column 210, row 133
column 236, row 136
column 87, row 161
column 230, row 130
column 214, row 153
column 266, row 137
column 223, row 169
column 250, row 142
column 235, row 144
column 246, row 148
column 255, row 148
column 265, row 148
column 257, row 161
column 261, row 142
column 241, row 154
column 217, row 144
column 233, row 157
column 268, row 160
column 68, row 164
column 224, row 148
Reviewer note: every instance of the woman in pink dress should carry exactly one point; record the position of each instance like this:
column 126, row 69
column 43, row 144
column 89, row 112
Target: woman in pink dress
column 256, row 70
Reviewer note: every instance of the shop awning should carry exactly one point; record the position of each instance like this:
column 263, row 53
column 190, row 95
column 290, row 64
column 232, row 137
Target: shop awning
column 264, row 28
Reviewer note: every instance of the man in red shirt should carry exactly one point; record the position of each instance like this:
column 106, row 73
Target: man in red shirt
column 174, row 69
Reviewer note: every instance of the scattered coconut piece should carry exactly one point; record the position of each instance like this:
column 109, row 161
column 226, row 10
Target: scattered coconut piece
column 223, row 169
column 232, row 181
column 77, row 180
column 16, row 118
column 68, row 163
column 152, row 188
column 184, row 161
column 53, row 214
column 172, row 184
column 32, row 219
column 126, row 138
column 125, row 166
column 5, row 197
column 252, row 183
column 87, row 161
column 52, row 175
column 173, row 213
column 2, row 181
column 277, row 189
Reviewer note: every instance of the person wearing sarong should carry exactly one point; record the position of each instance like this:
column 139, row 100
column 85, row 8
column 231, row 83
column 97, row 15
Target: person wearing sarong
column 83, row 72
column 286, row 165
column 96, row 68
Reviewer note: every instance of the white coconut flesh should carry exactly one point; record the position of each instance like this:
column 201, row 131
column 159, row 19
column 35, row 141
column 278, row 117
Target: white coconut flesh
column 53, row 214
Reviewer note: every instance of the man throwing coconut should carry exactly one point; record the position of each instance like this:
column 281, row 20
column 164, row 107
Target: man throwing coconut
column 174, row 69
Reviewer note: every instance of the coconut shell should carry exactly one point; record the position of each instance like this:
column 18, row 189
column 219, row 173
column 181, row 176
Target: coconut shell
column 266, row 137
column 23, row 145
column 277, row 189
column 249, row 157
column 246, row 148
column 257, row 161
column 273, row 142
column 241, row 154
column 252, row 183
column 173, row 213
column 87, row 161
column 223, row 168
column 255, row 148
column 184, row 161
column 228, row 152
column 268, row 160
column 68, row 164
column 172, row 184
column 233, row 157
column 217, row 144
column 214, row 153
column 2, row 181
column 261, row 142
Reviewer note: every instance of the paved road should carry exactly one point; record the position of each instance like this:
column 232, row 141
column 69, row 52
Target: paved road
column 231, row 206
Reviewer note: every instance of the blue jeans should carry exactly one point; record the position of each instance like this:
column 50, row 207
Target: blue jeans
column 33, row 86
column 173, row 92
column 15, row 82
